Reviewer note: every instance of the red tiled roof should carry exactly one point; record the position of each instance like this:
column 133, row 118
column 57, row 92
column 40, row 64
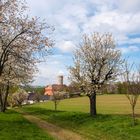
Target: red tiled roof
column 51, row 88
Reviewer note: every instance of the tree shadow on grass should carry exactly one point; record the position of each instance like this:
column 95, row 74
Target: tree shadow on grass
column 78, row 118
column 73, row 117
column 41, row 111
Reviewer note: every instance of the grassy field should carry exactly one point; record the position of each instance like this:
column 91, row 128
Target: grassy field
column 14, row 127
column 106, row 104
column 113, row 121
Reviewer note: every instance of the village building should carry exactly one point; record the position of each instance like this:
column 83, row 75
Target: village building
column 34, row 97
column 50, row 89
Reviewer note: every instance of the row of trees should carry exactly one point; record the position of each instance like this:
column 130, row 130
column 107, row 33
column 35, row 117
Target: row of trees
column 21, row 94
column 17, row 98
column 22, row 45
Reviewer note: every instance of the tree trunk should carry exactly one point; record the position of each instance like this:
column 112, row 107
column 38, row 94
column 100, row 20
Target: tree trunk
column 3, row 99
column 133, row 116
column 92, row 99
column 1, row 103
column 2, row 107
column 55, row 106
column 6, row 95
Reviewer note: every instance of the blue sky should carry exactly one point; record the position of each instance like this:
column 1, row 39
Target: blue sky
column 73, row 18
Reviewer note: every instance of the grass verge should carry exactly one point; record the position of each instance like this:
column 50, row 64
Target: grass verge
column 14, row 127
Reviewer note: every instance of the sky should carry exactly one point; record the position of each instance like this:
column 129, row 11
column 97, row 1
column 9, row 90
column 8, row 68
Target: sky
column 73, row 18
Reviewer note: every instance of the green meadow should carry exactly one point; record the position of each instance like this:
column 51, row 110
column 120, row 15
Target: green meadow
column 14, row 127
column 113, row 121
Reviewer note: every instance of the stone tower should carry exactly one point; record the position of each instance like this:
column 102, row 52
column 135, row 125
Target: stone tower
column 60, row 80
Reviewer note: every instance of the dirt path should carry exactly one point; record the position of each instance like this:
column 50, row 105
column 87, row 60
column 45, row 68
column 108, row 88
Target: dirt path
column 55, row 131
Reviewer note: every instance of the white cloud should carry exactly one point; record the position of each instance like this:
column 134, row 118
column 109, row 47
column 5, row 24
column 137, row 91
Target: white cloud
column 129, row 49
column 134, row 48
column 71, row 18
column 114, row 22
column 74, row 18
column 134, row 40
column 49, row 70
column 122, row 5
column 66, row 46
column 129, row 5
